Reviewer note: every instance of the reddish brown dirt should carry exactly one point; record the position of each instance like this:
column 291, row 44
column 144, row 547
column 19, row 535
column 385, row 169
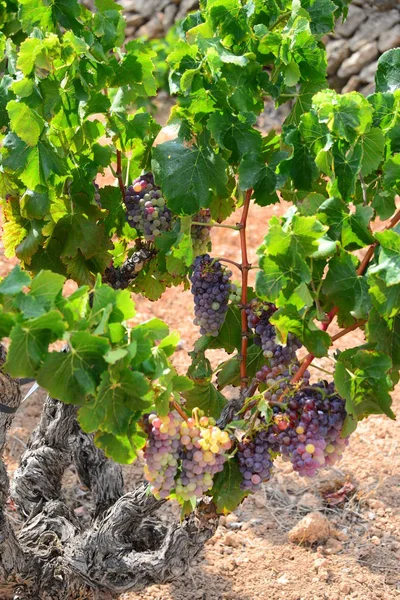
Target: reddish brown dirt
column 250, row 557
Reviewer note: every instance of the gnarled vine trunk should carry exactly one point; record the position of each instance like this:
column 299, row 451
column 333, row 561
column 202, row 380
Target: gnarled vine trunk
column 53, row 557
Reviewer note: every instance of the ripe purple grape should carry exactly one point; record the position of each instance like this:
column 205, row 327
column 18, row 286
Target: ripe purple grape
column 201, row 239
column 211, row 288
column 146, row 209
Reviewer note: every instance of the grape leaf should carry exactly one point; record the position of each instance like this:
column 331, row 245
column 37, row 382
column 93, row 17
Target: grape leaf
column 226, row 491
column 206, row 398
column 14, row 282
column 387, row 78
column 361, row 377
column 71, row 376
column 188, row 176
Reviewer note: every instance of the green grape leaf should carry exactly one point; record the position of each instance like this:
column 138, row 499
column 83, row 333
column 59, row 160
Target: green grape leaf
column 14, row 282
column 226, row 491
column 373, row 143
column 206, row 397
column 345, row 288
column 30, row 341
column 121, row 448
column 388, row 266
column 188, row 176
column 347, row 164
column 71, row 376
column 385, row 335
column 361, row 377
column 119, row 397
column 231, row 134
column 229, row 371
column 255, row 173
column 25, row 122
column 387, row 78
column 287, row 320
column 230, row 335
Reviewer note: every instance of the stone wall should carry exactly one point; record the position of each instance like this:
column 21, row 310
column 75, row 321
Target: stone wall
column 371, row 28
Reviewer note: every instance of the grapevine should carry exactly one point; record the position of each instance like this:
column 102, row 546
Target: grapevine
column 74, row 110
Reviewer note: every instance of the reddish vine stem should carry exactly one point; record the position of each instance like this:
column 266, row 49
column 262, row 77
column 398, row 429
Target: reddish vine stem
column 343, row 332
column 179, row 410
column 118, row 174
column 245, row 276
column 331, row 315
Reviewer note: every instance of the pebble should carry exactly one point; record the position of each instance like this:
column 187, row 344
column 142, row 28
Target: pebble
column 283, row 580
column 314, row 527
column 333, row 546
column 345, row 588
column 375, row 504
column 231, row 540
column 375, row 540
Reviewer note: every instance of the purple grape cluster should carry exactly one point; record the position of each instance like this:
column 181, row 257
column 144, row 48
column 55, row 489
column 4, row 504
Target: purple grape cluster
column 201, row 233
column 316, row 415
column 258, row 318
column 255, row 461
column 162, row 453
column 308, row 432
column 211, row 288
column 146, row 208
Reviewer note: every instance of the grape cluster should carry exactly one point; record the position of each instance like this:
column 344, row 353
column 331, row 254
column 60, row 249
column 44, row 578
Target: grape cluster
column 162, row 453
column 146, row 209
column 315, row 419
column 278, row 378
column 255, row 461
column 183, row 455
column 236, row 293
column 258, row 318
column 202, row 456
column 211, row 288
column 201, row 233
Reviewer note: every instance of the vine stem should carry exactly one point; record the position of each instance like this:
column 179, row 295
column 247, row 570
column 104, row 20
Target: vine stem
column 228, row 260
column 179, row 410
column 215, row 224
column 343, row 332
column 331, row 315
column 118, row 174
column 245, row 267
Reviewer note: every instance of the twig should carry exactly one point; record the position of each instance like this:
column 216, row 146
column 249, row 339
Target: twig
column 228, row 260
column 179, row 410
column 343, row 332
column 245, row 276
column 215, row 224
column 118, row 174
